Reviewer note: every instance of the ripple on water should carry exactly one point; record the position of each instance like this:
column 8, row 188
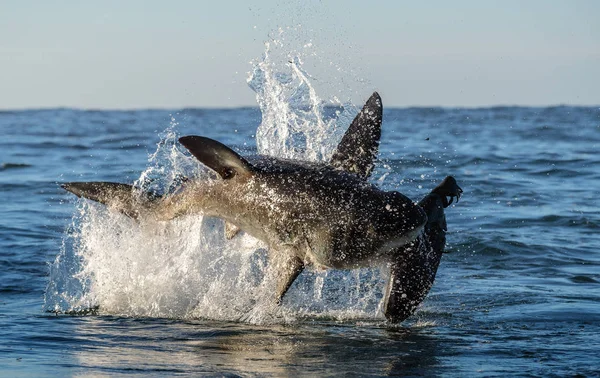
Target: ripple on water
column 583, row 279
column 6, row 166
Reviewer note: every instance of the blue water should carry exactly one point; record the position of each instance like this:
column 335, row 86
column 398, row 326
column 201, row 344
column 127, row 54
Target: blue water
column 517, row 294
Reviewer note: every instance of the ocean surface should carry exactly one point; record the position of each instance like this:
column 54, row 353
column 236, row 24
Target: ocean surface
column 84, row 291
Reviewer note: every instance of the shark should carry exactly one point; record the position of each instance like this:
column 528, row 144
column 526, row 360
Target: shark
column 325, row 215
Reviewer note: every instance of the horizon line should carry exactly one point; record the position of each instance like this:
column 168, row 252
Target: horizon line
column 238, row 107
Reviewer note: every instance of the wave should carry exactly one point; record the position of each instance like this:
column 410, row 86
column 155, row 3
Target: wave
column 7, row 166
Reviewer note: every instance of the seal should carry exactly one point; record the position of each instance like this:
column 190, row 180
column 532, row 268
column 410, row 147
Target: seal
column 325, row 215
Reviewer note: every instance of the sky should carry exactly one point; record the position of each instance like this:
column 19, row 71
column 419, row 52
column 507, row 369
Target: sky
column 182, row 53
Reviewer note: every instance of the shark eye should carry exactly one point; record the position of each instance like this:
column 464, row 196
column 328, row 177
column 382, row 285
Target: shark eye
column 227, row 173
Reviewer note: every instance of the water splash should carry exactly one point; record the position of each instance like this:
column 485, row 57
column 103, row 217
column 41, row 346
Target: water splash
column 296, row 122
column 185, row 268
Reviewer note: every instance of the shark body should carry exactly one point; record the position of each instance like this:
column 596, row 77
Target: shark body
column 310, row 214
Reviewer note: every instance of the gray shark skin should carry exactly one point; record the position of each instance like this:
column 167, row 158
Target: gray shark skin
column 310, row 214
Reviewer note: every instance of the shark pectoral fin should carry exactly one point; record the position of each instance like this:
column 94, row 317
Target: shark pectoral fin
column 231, row 230
column 122, row 197
column 358, row 149
column 217, row 156
column 285, row 267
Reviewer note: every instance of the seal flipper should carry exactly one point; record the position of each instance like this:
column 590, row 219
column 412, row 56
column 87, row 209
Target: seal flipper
column 123, row 197
column 217, row 156
column 415, row 266
column 448, row 188
column 358, row 149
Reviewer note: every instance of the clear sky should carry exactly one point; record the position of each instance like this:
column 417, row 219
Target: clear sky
column 179, row 53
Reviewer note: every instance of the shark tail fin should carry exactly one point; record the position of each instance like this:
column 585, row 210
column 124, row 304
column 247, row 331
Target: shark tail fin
column 123, row 197
column 357, row 151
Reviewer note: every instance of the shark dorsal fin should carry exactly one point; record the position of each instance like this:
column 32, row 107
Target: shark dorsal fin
column 358, row 149
column 217, row 156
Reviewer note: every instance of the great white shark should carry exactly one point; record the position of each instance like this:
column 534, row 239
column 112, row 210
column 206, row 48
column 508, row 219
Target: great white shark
column 325, row 215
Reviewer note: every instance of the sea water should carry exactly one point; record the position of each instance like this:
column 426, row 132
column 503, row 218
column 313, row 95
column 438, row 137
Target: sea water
column 87, row 291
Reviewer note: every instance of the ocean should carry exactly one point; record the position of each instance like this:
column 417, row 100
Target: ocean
column 85, row 291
